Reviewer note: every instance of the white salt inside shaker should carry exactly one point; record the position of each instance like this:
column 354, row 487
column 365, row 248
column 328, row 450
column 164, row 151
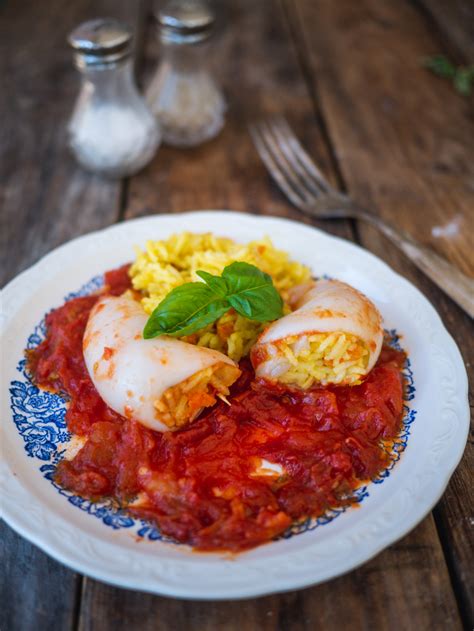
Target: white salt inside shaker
column 111, row 130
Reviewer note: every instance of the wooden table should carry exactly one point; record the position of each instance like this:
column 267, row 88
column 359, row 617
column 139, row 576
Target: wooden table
column 348, row 75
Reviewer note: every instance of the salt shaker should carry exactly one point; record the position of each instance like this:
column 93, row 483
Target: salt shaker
column 183, row 95
column 111, row 131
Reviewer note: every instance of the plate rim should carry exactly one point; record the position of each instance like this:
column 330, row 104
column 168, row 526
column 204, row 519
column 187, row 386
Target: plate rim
column 38, row 538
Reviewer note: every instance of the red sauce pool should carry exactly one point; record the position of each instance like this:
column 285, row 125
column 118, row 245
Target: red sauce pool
column 199, row 484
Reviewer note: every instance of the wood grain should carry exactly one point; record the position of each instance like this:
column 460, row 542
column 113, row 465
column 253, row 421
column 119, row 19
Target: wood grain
column 401, row 135
column 396, row 173
column 36, row 592
column 380, row 595
column 45, row 198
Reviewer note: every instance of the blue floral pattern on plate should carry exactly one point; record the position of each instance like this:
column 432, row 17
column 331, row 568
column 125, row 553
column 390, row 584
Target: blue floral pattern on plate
column 39, row 419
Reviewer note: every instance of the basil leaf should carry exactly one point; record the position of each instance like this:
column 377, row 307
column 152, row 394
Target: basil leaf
column 440, row 65
column 251, row 292
column 464, row 80
column 216, row 283
column 185, row 310
column 192, row 306
column 462, row 76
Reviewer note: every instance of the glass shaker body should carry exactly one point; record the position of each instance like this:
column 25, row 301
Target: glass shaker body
column 111, row 130
column 184, row 97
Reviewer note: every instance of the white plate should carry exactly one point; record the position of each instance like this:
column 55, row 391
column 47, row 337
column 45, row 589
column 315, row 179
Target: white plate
column 95, row 541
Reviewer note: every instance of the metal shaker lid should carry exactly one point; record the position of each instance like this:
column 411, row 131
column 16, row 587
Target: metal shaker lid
column 99, row 42
column 185, row 21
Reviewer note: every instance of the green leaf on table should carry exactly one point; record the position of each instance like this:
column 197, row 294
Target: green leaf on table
column 440, row 65
column 464, row 80
column 462, row 77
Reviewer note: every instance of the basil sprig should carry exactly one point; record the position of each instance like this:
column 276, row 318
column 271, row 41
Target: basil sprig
column 462, row 77
column 192, row 306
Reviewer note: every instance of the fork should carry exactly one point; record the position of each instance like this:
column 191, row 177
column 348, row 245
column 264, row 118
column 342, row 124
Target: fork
column 299, row 178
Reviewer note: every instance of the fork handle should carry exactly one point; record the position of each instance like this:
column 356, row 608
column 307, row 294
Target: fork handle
column 454, row 283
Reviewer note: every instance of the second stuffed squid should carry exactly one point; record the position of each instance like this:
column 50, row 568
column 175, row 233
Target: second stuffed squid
column 334, row 336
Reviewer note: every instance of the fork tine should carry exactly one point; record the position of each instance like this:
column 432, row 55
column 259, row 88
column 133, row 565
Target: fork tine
column 297, row 182
column 278, row 139
column 278, row 174
column 288, row 137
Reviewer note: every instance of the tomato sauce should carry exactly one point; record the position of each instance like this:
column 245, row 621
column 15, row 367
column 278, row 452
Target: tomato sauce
column 204, row 485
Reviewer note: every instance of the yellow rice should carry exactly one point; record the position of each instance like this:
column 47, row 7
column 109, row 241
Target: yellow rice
column 337, row 358
column 163, row 265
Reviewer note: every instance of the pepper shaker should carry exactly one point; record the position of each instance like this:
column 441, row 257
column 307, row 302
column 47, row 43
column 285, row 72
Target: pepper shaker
column 111, row 131
column 183, row 94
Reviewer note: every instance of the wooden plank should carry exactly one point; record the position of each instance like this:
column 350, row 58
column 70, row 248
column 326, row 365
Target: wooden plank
column 402, row 135
column 37, row 592
column 368, row 598
column 455, row 20
column 414, row 169
column 260, row 72
column 45, row 200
